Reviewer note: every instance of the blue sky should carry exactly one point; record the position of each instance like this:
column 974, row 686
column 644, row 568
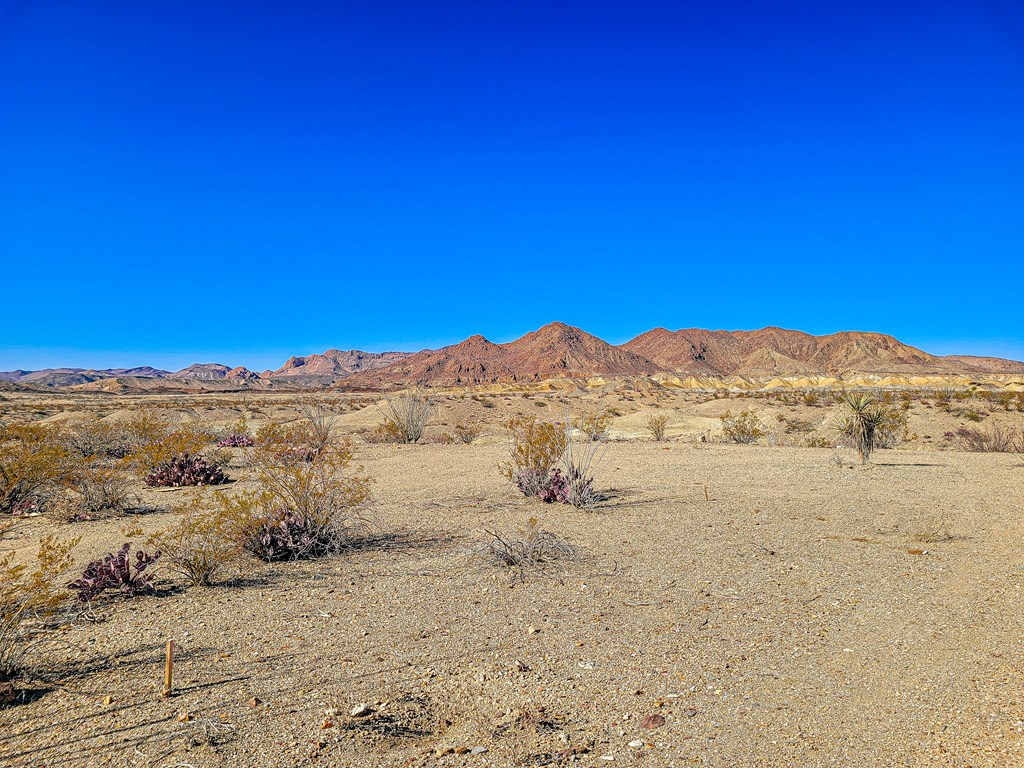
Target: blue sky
column 238, row 182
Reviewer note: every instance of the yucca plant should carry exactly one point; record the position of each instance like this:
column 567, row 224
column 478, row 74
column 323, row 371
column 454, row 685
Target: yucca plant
column 861, row 424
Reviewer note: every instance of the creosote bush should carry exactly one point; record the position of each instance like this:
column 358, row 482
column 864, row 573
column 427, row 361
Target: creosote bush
column 656, row 424
column 155, row 443
column 34, row 464
column 744, row 427
column 99, row 491
column 534, row 447
column 467, row 433
column 199, row 546
column 594, row 424
column 28, row 599
column 303, row 509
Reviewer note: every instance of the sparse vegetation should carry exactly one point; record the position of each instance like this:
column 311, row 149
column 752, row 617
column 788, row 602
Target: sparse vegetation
column 406, row 417
column 991, row 440
column 530, row 547
column 744, row 427
column 199, row 546
column 594, row 424
column 535, row 448
column 99, row 491
column 29, row 597
column 33, row 467
column 304, row 508
column 656, row 424
column 467, row 433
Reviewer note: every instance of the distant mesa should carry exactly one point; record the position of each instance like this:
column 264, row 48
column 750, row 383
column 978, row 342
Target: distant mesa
column 335, row 364
column 557, row 351
column 213, row 372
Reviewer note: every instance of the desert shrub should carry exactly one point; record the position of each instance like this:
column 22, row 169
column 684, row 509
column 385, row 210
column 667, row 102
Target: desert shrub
column 33, row 466
column 818, row 441
column 892, row 428
column 811, row 398
column 406, row 417
column 794, row 425
column 656, row 424
column 534, row 448
column 580, row 461
column 99, row 491
column 318, row 425
column 530, row 547
column 467, row 433
column 1004, row 399
column 116, row 571
column 861, row 425
column 28, row 599
column 304, row 509
column 152, row 452
column 98, row 440
column 186, row 470
column 971, row 414
column 199, row 546
column 594, row 424
column 991, row 440
column 745, row 427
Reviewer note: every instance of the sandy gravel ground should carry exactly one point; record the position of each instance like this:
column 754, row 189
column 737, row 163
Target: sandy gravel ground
column 767, row 606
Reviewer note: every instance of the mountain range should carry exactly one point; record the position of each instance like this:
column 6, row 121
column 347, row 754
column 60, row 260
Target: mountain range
column 555, row 351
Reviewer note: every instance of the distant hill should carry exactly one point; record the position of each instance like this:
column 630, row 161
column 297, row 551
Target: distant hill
column 335, row 363
column 780, row 352
column 66, row 377
column 556, row 351
column 213, row 372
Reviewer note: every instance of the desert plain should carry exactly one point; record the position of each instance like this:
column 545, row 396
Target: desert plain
column 768, row 604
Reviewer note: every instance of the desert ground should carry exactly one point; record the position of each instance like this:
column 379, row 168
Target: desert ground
column 771, row 604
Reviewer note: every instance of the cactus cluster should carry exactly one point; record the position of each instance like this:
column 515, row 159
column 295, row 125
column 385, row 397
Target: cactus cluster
column 186, row 469
column 549, row 487
column 116, row 571
column 237, row 440
column 284, row 535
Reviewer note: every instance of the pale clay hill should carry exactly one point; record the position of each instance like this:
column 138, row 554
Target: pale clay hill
column 558, row 351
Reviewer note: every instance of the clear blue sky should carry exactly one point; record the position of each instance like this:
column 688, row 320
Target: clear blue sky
column 238, row 182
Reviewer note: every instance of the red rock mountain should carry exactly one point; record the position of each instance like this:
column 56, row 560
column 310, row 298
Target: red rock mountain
column 561, row 351
column 779, row 352
column 336, row 363
column 555, row 351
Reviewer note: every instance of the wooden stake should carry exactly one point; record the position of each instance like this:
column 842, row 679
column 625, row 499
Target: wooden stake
column 168, row 669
